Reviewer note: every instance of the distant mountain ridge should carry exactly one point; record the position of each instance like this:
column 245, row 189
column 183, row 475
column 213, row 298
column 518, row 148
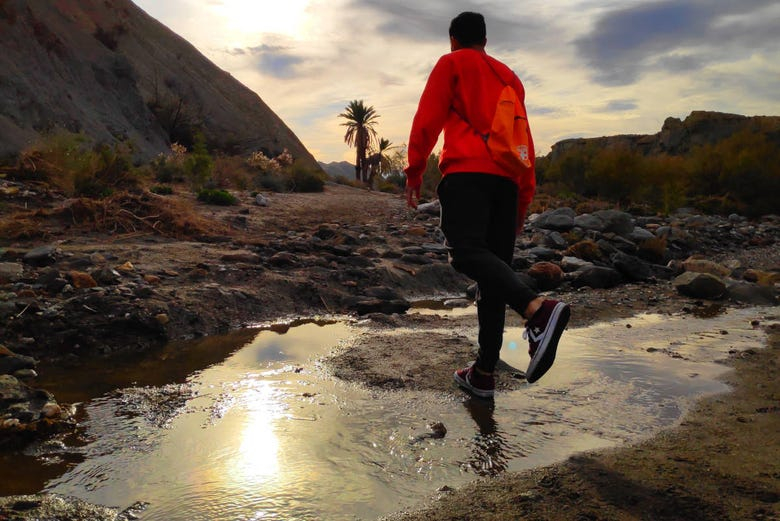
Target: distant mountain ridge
column 111, row 71
column 677, row 136
column 339, row 169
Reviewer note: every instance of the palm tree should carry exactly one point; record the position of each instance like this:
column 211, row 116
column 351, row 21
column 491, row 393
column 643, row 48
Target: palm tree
column 379, row 162
column 360, row 133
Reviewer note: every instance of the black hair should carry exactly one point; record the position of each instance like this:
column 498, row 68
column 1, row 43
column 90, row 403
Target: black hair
column 469, row 29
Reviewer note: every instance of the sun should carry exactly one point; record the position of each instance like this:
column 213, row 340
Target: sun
column 250, row 17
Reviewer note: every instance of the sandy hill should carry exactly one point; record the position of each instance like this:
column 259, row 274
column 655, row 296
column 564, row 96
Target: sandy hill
column 111, row 71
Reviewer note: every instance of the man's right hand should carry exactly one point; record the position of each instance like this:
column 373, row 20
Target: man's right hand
column 412, row 195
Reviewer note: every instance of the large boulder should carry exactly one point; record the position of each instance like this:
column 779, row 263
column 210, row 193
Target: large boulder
column 559, row 219
column 615, row 221
column 700, row 285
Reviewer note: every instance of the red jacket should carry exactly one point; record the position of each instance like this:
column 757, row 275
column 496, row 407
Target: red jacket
column 463, row 87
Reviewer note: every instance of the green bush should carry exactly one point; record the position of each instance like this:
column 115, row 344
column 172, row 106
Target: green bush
column 199, row 165
column 301, row 178
column 68, row 162
column 217, row 197
column 269, row 181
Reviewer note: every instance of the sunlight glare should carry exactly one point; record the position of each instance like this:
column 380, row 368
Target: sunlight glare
column 255, row 17
column 258, row 458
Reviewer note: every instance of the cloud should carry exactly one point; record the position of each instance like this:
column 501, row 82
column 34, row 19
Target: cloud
column 279, row 65
column 676, row 35
column 619, row 106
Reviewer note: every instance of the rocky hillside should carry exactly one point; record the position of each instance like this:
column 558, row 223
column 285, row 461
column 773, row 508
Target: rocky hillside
column 679, row 136
column 109, row 70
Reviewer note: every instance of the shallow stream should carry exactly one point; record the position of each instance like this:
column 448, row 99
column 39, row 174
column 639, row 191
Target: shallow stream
column 250, row 426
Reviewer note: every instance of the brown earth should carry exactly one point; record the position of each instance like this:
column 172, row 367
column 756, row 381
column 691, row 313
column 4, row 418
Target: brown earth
column 722, row 461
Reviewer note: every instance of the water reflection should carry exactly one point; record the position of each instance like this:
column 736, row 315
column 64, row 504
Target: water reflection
column 257, row 458
column 488, row 454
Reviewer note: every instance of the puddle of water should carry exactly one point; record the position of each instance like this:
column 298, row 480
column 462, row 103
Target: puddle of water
column 249, row 426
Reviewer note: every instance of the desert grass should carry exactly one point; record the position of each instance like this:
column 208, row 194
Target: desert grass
column 119, row 214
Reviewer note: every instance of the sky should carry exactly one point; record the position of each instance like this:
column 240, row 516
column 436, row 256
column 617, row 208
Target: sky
column 590, row 67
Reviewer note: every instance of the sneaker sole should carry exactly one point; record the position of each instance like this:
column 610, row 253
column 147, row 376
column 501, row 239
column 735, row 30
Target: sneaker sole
column 470, row 388
column 545, row 354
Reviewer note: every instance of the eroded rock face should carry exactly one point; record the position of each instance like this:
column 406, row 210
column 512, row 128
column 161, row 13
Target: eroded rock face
column 676, row 136
column 119, row 63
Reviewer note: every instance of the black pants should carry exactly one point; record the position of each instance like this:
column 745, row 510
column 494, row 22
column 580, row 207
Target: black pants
column 479, row 218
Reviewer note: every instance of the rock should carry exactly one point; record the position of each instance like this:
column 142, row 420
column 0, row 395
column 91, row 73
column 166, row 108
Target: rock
column 546, row 274
column 51, row 410
column 748, row 293
column 411, row 258
column 106, row 276
column 596, row 277
column 589, row 222
column 10, row 362
column 50, row 507
column 382, row 292
column 616, row 221
column 41, row 256
column 640, row 234
column 555, row 241
column 81, row 280
column 438, row 429
column 570, row 264
column 52, row 281
column 700, row 285
column 560, row 219
column 387, row 307
column 12, row 390
column 706, row 266
column 154, row 280
column 10, row 272
column 764, row 278
column 432, row 208
column 439, row 249
column 632, row 268
column 283, row 259
column 326, row 232
column 127, row 267
column 544, row 254
column 245, row 257
column 7, row 309
column 25, row 374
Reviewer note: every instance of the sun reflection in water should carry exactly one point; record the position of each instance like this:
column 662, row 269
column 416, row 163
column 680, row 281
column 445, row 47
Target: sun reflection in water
column 257, row 459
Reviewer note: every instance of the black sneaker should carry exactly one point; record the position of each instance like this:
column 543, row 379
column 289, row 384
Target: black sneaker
column 482, row 385
column 543, row 331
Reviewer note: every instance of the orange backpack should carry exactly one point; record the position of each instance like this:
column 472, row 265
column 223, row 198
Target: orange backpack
column 509, row 138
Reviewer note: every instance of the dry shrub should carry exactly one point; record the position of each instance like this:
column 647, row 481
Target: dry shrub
column 69, row 162
column 653, row 250
column 585, row 250
column 122, row 213
column 231, row 172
